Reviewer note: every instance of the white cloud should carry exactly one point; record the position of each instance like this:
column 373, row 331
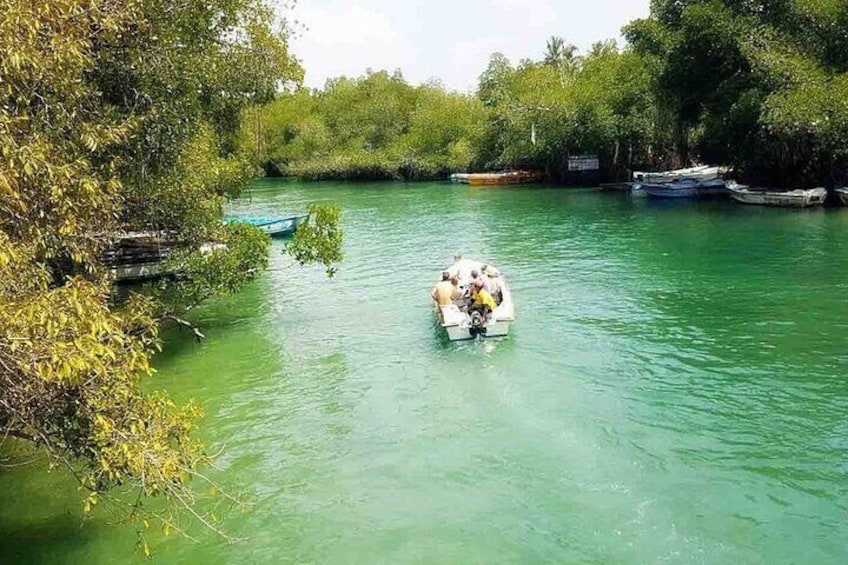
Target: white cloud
column 346, row 38
column 449, row 39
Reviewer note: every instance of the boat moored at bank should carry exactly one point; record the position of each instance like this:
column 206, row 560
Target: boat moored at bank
column 500, row 179
column 686, row 188
column 786, row 199
column 702, row 173
column 459, row 178
column 275, row 227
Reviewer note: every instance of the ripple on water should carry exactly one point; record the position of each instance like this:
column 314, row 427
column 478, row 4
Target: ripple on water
column 673, row 390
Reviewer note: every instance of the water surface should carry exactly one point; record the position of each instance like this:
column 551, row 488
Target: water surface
column 674, row 390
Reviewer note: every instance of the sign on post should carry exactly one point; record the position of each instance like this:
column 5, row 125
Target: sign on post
column 583, row 163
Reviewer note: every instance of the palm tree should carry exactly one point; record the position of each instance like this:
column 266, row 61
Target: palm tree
column 559, row 54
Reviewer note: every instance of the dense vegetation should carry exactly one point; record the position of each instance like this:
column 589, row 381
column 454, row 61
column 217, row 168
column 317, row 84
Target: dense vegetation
column 759, row 85
column 116, row 117
column 374, row 127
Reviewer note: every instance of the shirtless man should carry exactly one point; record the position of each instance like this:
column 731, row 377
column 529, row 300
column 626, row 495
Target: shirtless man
column 445, row 293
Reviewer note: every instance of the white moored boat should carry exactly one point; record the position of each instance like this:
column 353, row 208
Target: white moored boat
column 789, row 199
column 700, row 174
column 460, row 324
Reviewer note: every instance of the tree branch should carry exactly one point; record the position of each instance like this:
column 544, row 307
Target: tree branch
column 186, row 324
column 19, row 435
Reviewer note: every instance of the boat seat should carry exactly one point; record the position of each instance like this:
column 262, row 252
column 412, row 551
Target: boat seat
column 452, row 315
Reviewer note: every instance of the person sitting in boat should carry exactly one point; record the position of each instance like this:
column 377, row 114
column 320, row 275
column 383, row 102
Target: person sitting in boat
column 461, row 267
column 492, row 284
column 457, row 291
column 444, row 293
column 483, row 301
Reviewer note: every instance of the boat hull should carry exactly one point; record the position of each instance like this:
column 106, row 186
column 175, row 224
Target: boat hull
column 494, row 329
column 501, row 179
column 701, row 174
column 283, row 228
column 274, row 227
column 670, row 191
column 842, row 196
column 792, row 199
column 686, row 189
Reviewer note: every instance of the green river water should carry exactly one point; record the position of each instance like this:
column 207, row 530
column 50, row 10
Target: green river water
column 674, row 390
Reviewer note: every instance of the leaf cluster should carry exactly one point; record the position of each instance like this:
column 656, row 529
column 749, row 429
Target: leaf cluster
column 319, row 240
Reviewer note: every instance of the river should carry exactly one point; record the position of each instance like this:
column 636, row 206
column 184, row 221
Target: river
column 674, row 390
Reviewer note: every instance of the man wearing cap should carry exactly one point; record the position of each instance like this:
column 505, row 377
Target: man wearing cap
column 492, row 284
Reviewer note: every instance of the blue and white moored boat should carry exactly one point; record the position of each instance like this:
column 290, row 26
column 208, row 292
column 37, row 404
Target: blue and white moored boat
column 676, row 189
column 684, row 188
column 275, row 227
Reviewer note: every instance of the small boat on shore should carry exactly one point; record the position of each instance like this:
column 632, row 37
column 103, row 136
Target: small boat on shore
column 789, row 199
column 500, row 179
column 459, row 178
column 133, row 257
column 275, row 227
column 842, row 195
column 459, row 322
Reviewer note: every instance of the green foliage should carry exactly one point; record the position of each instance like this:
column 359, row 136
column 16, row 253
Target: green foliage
column 493, row 83
column 187, row 199
column 215, row 269
column 118, row 116
column 603, row 104
column 319, row 240
column 71, row 370
column 374, row 127
column 753, row 83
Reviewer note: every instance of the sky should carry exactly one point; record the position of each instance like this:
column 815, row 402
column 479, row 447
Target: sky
column 449, row 40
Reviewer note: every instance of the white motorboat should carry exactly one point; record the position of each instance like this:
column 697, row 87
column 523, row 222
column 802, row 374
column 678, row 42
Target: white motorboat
column 461, row 324
column 702, row 174
column 788, row 199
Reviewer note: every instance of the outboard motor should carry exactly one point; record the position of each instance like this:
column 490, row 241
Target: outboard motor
column 478, row 324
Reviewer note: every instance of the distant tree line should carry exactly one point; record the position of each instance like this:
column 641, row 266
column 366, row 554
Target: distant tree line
column 374, row 127
column 759, row 85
